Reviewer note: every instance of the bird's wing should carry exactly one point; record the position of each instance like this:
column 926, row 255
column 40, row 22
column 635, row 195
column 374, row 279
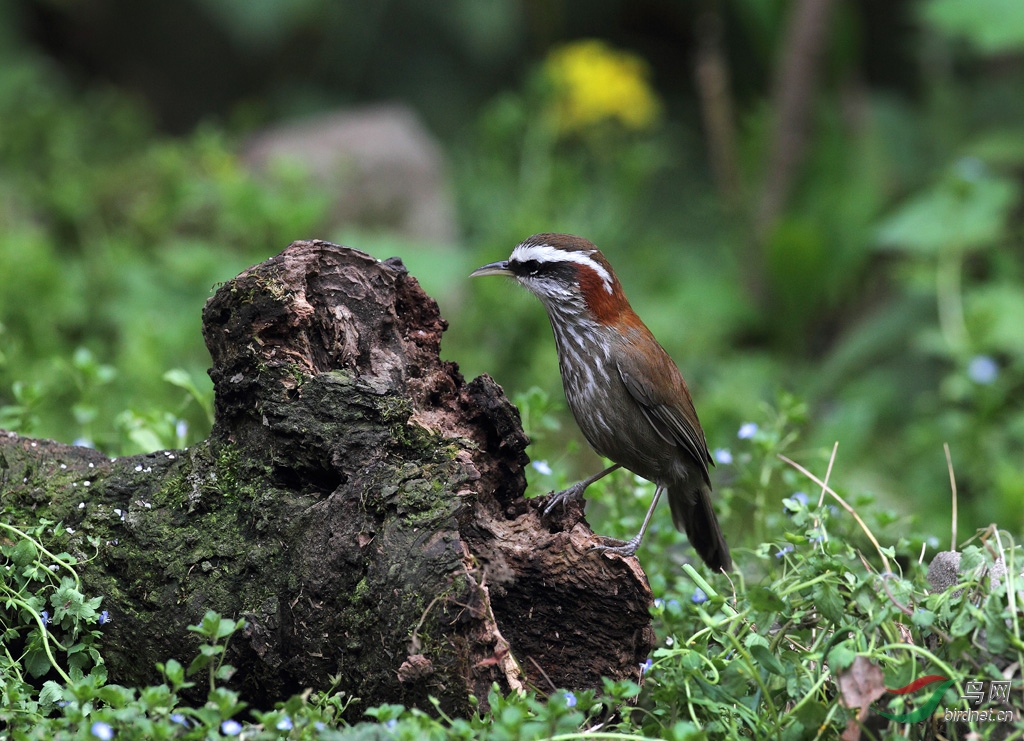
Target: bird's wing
column 673, row 421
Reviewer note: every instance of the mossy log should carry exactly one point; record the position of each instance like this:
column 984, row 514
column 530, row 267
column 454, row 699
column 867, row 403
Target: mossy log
column 357, row 503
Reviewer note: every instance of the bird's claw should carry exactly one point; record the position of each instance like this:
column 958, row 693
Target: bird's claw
column 563, row 497
column 627, row 549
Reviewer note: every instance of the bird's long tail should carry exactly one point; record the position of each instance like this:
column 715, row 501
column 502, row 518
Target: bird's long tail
column 693, row 514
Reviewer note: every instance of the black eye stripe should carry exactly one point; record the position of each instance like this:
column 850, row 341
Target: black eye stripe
column 526, row 267
column 532, row 268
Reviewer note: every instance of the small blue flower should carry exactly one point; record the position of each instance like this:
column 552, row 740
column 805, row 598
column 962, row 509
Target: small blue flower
column 104, row 617
column 83, row 442
column 747, row 430
column 800, row 497
column 659, row 603
column 541, row 467
column 180, row 719
column 723, row 456
column 102, row 731
column 570, row 700
column 699, row 596
column 181, row 429
column 646, row 666
column 44, row 616
column 231, row 728
column 391, row 724
column 285, row 724
column 933, row 542
column 788, row 548
column 983, row 370
column 673, row 603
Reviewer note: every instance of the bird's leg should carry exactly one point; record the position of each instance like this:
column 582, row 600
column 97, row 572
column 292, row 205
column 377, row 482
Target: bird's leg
column 630, row 546
column 575, row 491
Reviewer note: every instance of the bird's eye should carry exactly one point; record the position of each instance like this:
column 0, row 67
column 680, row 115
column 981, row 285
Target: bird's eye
column 531, row 268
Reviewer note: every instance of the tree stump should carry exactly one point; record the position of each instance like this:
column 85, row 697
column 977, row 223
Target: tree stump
column 357, row 503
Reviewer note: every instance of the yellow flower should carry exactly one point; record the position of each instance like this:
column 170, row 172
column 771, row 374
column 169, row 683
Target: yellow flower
column 594, row 82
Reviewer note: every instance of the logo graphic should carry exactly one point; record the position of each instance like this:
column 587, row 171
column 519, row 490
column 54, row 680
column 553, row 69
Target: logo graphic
column 928, row 708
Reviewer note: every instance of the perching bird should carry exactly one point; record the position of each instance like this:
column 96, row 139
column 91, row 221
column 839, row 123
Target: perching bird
column 626, row 394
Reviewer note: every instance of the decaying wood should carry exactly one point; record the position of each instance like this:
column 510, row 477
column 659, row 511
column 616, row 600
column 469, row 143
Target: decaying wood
column 357, row 502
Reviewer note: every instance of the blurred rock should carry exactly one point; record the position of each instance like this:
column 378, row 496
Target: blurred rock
column 944, row 571
column 387, row 170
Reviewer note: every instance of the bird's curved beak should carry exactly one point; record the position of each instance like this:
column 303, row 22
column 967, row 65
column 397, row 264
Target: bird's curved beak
column 493, row 268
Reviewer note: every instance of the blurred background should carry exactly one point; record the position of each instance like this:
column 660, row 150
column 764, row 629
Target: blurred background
column 816, row 206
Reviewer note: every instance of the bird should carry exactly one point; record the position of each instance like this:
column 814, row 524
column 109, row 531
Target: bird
column 624, row 391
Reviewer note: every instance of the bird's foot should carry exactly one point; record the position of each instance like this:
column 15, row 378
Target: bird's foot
column 627, row 549
column 563, row 497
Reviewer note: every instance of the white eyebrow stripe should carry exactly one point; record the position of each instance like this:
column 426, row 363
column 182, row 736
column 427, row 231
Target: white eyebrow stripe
column 547, row 253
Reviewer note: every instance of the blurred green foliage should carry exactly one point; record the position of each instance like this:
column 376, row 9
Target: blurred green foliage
column 893, row 281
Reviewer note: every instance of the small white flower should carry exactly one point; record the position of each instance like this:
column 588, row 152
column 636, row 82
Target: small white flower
column 541, row 467
column 723, row 456
column 747, row 430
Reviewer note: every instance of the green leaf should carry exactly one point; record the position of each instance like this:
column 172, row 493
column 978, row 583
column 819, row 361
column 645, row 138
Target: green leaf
column 763, row 599
column 227, row 627
column 923, row 618
column 957, row 213
column 812, row 714
column 179, row 378
column 174, row 672
column 829, row 602
column 24, row 553
column 963, row 623
column 208, row 626
column 145, row 439
column 36, row 662
column 841, row 656
column 115, row 695
column 766, row 659
column 200, row 662
column 51, row 693
column 67, row 600
column 971, row 558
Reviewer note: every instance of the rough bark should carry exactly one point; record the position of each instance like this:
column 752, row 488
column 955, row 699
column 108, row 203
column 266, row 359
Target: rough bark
column 357, row 502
